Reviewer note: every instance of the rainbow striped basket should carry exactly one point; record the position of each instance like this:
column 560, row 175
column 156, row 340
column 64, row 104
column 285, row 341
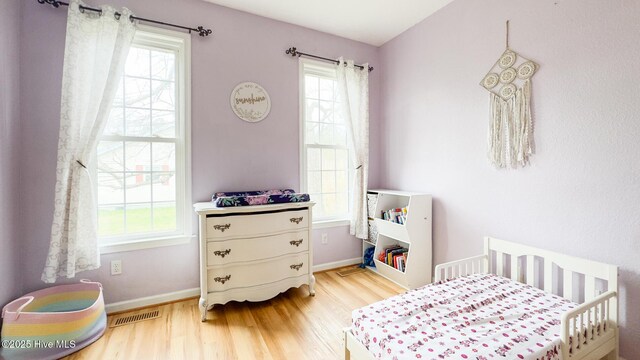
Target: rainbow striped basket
column 53, row 322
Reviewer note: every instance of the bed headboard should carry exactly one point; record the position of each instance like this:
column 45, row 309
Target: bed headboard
column 532, row 265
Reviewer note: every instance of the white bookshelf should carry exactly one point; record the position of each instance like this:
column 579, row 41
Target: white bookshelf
column 414, row 234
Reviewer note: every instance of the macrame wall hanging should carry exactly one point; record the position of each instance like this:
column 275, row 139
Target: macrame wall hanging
column 510, row 128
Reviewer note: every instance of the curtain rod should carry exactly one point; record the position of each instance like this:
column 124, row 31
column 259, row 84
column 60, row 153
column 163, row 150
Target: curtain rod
column 200, row 30
column 294, row 52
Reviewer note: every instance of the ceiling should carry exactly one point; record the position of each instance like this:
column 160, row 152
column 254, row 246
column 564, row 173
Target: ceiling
column 370, row 21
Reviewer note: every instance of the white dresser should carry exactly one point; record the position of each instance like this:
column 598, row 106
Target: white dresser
column 253, row 252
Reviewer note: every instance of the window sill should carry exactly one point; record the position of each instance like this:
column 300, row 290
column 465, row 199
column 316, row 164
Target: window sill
column 323, row 224
column 145, row 244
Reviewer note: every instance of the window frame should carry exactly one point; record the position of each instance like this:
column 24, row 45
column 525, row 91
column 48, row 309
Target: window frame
column 153, row 37
column 321, row 67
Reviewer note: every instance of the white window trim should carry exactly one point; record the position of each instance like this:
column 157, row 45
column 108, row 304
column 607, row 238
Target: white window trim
column 152, row 243
column 139, row 242
column 324, row 224
column 329, row 222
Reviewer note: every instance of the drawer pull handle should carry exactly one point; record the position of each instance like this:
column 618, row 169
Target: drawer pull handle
column 222, row 227
column 296, row 242
column 297, row 220
column 222, row 253
column 296, row 267
column 222, row 279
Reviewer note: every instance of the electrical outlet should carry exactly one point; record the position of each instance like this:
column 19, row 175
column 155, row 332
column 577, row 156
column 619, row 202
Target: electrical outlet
column 116, row 267
column 325, row 239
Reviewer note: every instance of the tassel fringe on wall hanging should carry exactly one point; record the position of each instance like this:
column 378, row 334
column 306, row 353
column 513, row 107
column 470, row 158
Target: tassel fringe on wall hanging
column 510, row 136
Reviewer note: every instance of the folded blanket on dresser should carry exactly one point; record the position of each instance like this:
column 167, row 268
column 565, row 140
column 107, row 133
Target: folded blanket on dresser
column 264, row 197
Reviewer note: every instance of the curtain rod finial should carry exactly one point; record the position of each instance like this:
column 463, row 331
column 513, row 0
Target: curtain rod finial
column 203, row 32
column 293, row 52
column 54, row 3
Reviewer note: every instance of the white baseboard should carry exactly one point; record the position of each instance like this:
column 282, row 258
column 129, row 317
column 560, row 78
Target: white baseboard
column 336, row 264
column 183, row 294
column 151, row 300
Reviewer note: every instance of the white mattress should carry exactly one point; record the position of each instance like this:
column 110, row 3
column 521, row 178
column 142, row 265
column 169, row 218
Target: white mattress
column 473, row 317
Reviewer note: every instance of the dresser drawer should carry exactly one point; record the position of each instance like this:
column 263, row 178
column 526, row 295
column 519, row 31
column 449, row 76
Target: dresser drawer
column 230, row 251
column 239, row 276
column 248, row 225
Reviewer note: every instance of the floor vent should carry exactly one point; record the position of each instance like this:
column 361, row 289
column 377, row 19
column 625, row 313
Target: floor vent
column 351, row 271
column 130, row 319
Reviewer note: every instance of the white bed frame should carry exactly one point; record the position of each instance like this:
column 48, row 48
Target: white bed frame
column 531, row 265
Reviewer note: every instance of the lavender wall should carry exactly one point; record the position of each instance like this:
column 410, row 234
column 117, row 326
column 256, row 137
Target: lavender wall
column 10, row 279
column 581, row 194
column 228, row 154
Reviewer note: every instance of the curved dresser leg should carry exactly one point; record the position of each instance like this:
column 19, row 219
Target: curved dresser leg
column 312, row 284
column 203, row 309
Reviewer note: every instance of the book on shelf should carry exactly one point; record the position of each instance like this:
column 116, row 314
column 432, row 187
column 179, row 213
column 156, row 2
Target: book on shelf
column 400, row 261
column 394, row 256
column 397, row 252
column 384, row 254
column 397, row 215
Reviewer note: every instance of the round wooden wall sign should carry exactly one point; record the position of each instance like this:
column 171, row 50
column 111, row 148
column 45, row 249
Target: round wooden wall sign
column 250, row 102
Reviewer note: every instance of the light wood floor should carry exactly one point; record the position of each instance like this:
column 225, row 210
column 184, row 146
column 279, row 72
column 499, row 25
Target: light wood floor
column 293, row 325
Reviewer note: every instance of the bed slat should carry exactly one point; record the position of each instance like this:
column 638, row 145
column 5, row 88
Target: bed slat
column 606, row 321
column 514, row 268
column 530, row 270
column 548, row 276
column 589, row 322
column 567, row 284
column 575, row 330
column 589, row 287
column 581, row 334
column 499, row 263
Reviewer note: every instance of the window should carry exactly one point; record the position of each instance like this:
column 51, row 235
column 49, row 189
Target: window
column 143, row 159
column 324, row 152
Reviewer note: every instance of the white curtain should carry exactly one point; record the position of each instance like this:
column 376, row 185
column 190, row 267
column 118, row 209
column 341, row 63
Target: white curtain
column 353, row 95
column 96, row 49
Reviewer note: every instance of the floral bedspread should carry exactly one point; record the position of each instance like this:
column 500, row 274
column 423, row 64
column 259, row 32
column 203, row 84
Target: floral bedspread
column 482, row 316
column 265, row 197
